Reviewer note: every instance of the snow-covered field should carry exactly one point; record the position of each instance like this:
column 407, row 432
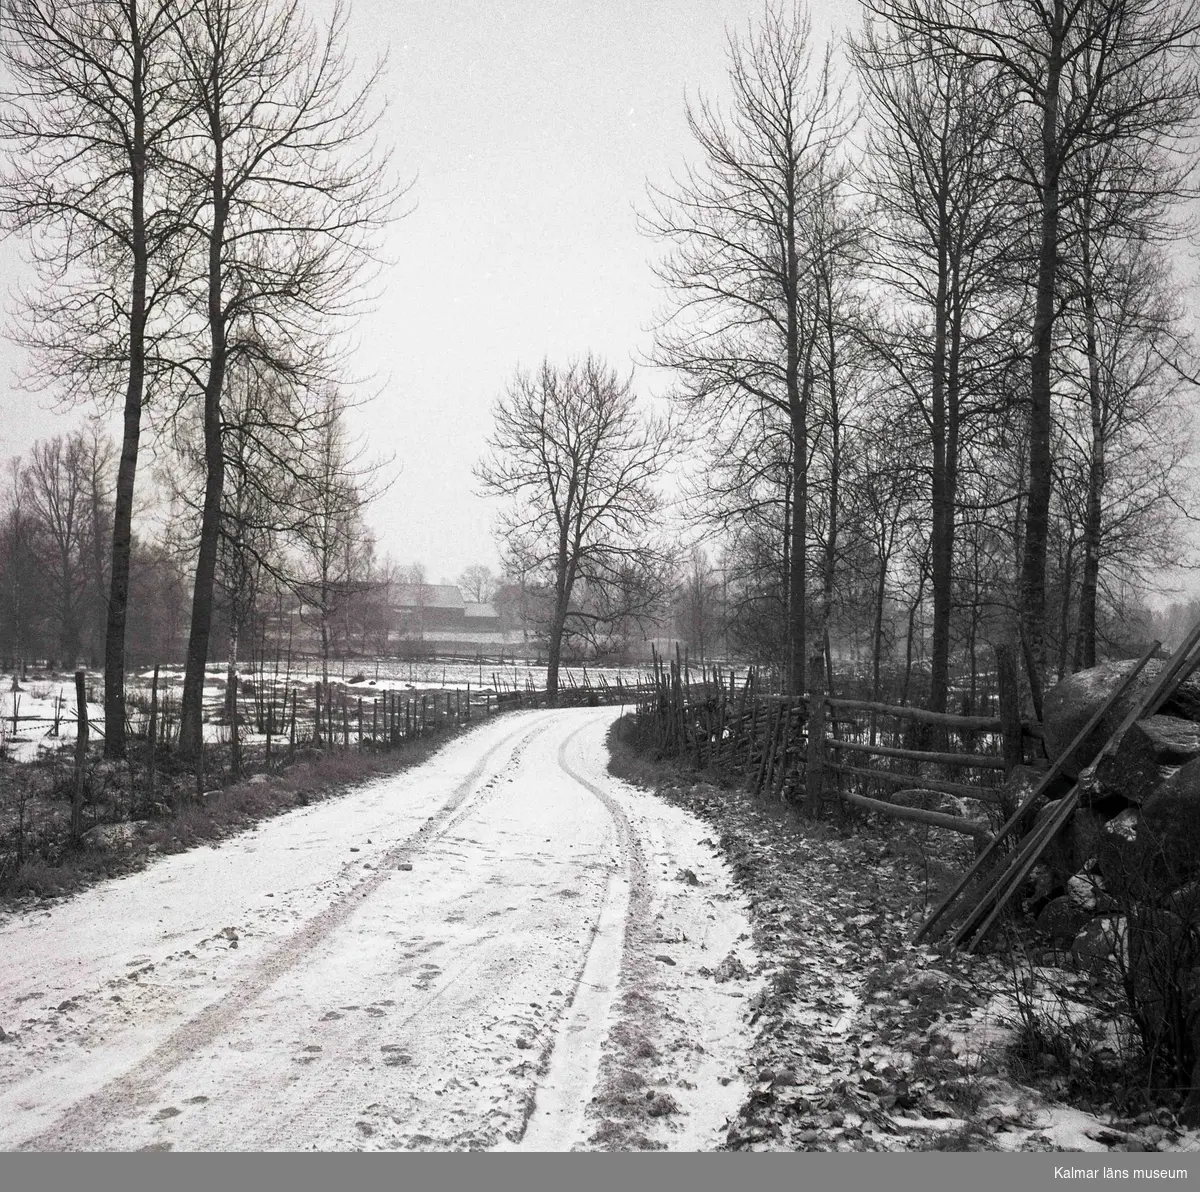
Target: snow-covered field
column 504, row 947
column 44, row 705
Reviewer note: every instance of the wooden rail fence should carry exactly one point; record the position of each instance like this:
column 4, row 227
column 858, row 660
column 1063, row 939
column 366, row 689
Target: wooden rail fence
column 868, row 749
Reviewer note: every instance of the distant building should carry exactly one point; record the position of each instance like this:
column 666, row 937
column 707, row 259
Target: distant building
column 421, row 608
column 481, row 616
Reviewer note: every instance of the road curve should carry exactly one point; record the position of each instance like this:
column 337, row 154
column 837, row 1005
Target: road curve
column 501, row 948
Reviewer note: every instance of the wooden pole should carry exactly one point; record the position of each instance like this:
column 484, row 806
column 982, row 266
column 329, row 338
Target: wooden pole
column 81, row 744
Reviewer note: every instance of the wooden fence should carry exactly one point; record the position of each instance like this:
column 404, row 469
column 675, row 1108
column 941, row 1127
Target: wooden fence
column 865, row 749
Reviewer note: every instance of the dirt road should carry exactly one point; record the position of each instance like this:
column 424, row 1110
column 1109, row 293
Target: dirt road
column 503, row 948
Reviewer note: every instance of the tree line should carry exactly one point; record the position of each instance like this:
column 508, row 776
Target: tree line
column 929, row 349
column 199, row 188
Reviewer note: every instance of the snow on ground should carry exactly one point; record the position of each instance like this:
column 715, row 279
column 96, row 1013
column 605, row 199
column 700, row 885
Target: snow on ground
column 865, row 1041
column 430, row 962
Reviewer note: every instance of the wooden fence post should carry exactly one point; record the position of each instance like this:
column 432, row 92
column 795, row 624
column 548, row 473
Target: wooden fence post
column 81, row 744
column 814, row 766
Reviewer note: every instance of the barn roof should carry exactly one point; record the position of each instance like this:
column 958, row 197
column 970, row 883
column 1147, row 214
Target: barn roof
column 427, row 596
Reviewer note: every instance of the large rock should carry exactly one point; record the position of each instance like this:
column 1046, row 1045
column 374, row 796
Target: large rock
column 1100, row 943
column 1149, row 753
column 114, row 837
column 1170, row 826
column 1074, row 844
column 1070, row 704
column 1061, row 920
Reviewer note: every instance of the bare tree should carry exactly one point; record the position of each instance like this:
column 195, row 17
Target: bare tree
column 21, row 584
column 1083, row 73
column 576, row 465
column 95, row 115
column 937, row 171
column 478, row 583
column 334, row 546
column 64, row 485
column 745, row 319
column 290, row 194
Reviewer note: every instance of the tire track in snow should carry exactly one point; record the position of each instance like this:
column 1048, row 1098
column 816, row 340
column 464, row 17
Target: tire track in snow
column 86, row 1117
column 557, row 1113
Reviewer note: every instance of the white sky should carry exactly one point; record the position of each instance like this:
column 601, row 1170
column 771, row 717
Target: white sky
column 532, row 128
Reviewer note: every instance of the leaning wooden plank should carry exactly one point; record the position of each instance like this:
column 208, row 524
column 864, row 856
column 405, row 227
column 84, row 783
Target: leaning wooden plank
column 968, row 827
column 1022, row 861
column 1047, row 779
column 980, row 761
column 987, row 794
column 1010, row 882
column 1182, row 663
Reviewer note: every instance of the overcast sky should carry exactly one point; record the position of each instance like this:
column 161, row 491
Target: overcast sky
column 532, row 129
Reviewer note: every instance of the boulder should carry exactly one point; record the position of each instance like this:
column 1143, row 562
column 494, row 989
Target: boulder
column 1070, row 704
column 1087, row 892
column 1123, row 826
column 1100, row 941
column 113, row 837
column 1174, row 807
column 1021, row 781
column 1149, row 753
column 1085, row 829
column 1060, row 854
column 1061, row 920
column 1170, row 826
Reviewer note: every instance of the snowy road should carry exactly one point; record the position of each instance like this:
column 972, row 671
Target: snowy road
column 505, row 947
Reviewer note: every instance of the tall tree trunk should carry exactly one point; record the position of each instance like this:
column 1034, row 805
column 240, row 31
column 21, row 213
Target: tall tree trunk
column 554, row 656
column 1037, row 512
column 829, row 567
column 1064, row 618
column 98, row 611
column 1085, row 637
column 231, row 691
column 941, row 544
column 191, row 714
column 564, row 582
column 797, row 578
column 877, row 637
column 122, row 538
column 912, row 628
